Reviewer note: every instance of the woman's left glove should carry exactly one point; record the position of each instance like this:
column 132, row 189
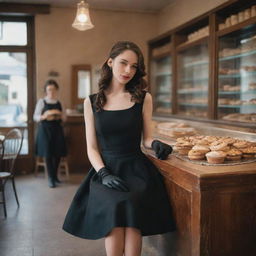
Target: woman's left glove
column 161, row 149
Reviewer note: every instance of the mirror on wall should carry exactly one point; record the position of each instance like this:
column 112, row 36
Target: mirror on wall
column 81, row 84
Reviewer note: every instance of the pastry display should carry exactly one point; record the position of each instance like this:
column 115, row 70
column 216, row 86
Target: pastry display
column 238, row 17
column 248, row 118
column 175, row 129
column 198, row 34
column 215, row 149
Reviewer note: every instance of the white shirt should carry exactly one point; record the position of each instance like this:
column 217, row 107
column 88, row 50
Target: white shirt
column 40, row 106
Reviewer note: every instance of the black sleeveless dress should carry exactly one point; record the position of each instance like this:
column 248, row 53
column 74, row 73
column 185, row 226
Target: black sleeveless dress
column 50, row 141
column 97, row 209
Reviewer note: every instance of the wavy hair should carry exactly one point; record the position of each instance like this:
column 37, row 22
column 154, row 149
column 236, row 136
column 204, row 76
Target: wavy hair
column 135, row 86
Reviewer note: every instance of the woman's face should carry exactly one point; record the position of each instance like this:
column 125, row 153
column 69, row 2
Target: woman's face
column 51, row 91
column 124, row 66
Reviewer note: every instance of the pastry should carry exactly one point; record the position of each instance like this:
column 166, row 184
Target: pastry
column 249, row 152
column 216, row 157
column 234, row 154
column 195, row 155
column 219, row 146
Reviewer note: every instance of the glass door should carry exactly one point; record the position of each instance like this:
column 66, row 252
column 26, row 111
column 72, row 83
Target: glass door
column 16, row 80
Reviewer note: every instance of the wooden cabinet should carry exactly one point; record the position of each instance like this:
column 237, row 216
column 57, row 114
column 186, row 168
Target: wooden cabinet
column 207, row 67
column 214, row 208
column 76, row 143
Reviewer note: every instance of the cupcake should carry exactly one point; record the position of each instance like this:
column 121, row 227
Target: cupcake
column 216, row 157
column 241, row 144
column 183, row 147
column 196, row 155
column 201, row 149
column 249, row 152
column 234, row 154
column 219, row 146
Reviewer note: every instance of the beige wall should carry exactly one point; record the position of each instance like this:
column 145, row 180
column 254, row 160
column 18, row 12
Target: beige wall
column 182, row 11
column 58, row 45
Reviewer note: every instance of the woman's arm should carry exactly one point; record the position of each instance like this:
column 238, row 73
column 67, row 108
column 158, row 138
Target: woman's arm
column 91, row 140
column 147, row 123
column 38, row 111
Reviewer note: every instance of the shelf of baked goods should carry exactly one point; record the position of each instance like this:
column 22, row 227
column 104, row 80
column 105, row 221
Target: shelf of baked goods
column 194, row 79
column 161, row 51
column 239, row 117
column 231, row 54
column 243, row 72
column 163, row 74
column 237, row 20
column 192, row 42
column 196, row 63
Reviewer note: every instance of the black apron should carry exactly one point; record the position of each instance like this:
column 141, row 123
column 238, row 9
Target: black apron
column 50, row 141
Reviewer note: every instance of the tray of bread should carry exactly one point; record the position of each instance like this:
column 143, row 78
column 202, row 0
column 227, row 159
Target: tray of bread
column 175, row 129
column 215, row 150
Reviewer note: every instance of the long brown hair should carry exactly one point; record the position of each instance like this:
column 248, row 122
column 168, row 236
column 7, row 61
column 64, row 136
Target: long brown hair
column 135, row 86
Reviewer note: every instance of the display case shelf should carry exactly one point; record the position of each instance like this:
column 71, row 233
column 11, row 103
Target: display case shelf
column 193, row 92
column 194, row 105
column 237, row 106
column 243, row 75
column 196, row 63
column 238, row 92
column 232, row 57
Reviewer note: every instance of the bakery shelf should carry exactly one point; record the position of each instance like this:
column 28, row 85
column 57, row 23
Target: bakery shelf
column 163, row 74
column 238, row 55
column 237, row 92
column 192, row 92
column 236, row 106
column 245, row 74
column 194, row 79
column 193, row 105
column 196, row 63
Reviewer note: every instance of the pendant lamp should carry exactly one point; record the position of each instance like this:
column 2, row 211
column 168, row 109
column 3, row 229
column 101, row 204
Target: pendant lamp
column 82, row 21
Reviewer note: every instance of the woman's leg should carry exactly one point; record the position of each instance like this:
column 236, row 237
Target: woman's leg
column 50, row 169
column 56, row 161
column 114, row 242
column 133, row 242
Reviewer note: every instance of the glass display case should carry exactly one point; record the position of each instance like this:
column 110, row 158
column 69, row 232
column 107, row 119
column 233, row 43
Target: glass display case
column 161, row 81
column 237, row 75
column 193, row 78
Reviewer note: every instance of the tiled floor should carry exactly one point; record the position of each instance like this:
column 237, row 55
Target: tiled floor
column 34, row 229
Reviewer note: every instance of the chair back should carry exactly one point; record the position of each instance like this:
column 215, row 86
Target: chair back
column 1, row 154
column 12, row 146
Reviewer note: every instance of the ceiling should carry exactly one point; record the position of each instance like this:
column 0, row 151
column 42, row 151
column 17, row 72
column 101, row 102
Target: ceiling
column 123, row 5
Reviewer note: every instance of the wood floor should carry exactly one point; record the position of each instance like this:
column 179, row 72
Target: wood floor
column 35, row 229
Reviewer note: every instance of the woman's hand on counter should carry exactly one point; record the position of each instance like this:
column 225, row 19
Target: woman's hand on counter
column 162, row 150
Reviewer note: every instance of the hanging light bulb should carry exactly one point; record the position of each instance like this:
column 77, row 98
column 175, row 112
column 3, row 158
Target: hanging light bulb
column 82, row 21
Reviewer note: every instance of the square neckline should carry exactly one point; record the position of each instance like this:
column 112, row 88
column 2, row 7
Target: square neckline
column 113, row 110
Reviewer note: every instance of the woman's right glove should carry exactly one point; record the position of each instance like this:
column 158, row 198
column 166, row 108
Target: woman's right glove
column 112, row 181
column 162, row 150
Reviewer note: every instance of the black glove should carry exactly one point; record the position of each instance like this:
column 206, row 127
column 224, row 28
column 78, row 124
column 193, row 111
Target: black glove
column 112, row 181
column 161, row 149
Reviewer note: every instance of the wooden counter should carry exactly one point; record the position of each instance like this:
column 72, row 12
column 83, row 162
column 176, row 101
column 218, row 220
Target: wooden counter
column 76, row 144
column 214, row 207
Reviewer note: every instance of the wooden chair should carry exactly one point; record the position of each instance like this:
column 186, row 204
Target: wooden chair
column 62, row 166
column 12, row 146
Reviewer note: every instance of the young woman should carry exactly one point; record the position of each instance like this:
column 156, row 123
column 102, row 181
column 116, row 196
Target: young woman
column 50, row 142
column 123, row 196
